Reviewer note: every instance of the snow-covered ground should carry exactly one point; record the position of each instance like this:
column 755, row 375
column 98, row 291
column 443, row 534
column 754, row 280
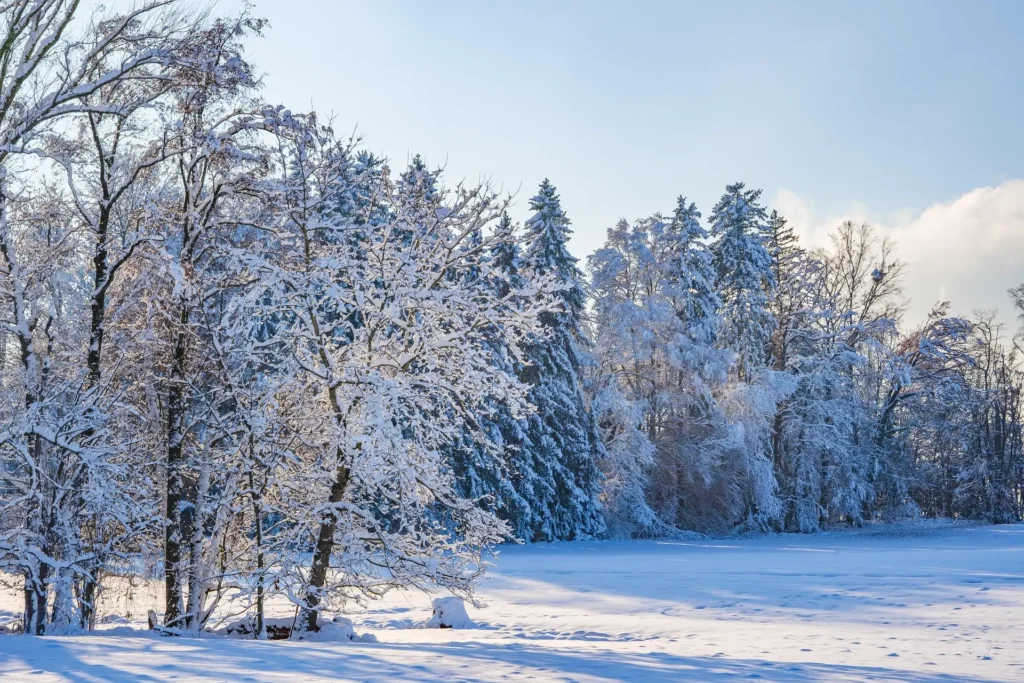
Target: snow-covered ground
column 919, row 604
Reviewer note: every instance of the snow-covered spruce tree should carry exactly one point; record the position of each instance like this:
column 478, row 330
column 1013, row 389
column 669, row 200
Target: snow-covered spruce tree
column 488, row 462
column 745, row 277
column 692, row 488
column 690, row 277
column 792, row 274
column 393, row 355
column 563, row 436
column 746, row 284
column 795, row 454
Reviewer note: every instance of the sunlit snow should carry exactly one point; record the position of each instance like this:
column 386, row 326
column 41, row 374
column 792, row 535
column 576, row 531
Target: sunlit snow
column 910, row 604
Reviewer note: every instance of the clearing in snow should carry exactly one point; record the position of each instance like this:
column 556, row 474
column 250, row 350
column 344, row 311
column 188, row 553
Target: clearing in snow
column 915, row 604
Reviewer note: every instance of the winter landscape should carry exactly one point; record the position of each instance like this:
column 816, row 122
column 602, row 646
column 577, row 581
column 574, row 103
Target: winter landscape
column 277, row 406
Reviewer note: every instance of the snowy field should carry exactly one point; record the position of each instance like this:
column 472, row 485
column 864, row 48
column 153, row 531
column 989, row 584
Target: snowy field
column 918, row 604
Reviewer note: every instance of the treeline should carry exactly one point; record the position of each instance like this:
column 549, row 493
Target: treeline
column 247, row 356
column 775, row 388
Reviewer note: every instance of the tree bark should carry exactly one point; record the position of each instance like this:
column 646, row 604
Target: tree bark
column 322, row 553
column 173, row 598
column 257, row 514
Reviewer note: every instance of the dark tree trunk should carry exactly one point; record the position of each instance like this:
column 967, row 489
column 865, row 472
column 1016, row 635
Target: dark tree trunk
column 97, row 320
column 30, row 606
column 35, row 602
column 257, row 512
column 322, row 553
column 173, row 534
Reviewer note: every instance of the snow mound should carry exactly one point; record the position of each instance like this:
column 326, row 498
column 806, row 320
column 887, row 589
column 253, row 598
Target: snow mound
column 449, row 613
column 339, row 630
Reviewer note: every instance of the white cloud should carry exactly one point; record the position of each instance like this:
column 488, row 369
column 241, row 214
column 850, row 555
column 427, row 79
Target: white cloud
column 968, row 251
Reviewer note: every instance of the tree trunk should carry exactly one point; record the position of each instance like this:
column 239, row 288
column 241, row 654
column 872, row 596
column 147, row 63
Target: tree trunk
column 322, row 553
column 45, row 522
column 257, row 513
column 35, row 601
column 97, row 319
column 29, row 621
column 197, row 565
column 88, row 600
column 173, row 539
column 40, row 611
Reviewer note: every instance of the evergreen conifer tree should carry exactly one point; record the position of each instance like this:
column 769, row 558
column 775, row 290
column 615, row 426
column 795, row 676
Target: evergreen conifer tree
column 691, row 272
column 487, row 459
column 746, row 284
column 746, row 281
column 562, row 433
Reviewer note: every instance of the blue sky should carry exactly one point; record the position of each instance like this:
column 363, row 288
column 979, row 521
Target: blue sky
column 878, row 110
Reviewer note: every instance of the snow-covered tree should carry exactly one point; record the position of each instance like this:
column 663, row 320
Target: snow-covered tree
column 746, row 285
column 966, row 436
column 690, row 272
column 63, row 70
column 811, row 437
column 202, row 207
column 492, row 463
column 562, row 432
column 745, row 279
column 636, row 330
column 391, row 339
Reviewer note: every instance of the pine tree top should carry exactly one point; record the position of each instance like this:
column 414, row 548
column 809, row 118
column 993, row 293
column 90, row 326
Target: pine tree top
column 419, row 181
column 738, row 211
column 547, row 234
column 685, row 224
